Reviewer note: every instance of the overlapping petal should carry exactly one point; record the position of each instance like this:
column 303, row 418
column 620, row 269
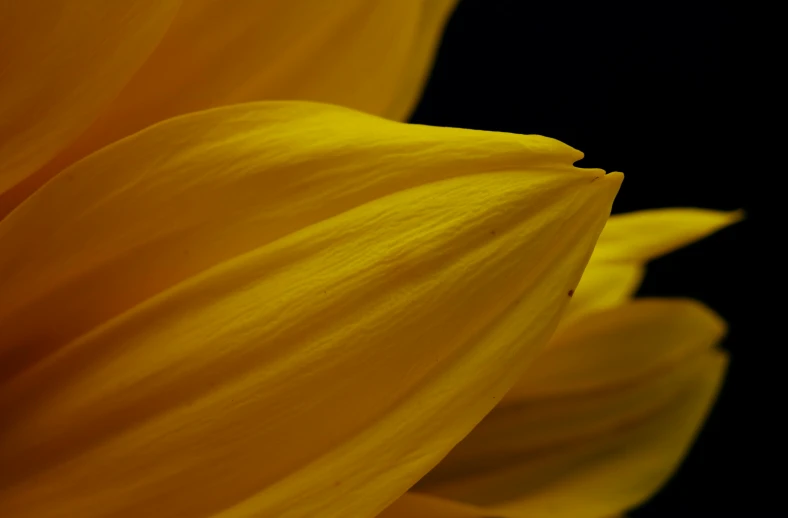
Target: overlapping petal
column 61, row 64
column 620, row 346
column 372, row 56
column 597, row 431
column 232, row 312
column 629, row 241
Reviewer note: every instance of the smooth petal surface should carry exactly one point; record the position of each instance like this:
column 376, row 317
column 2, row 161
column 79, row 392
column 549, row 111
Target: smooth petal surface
column 61, row 63
column 615, row 471
column 618, row 346
column 648, row 234
column 279, row 309
column 417, row 505
column 371, row 56
column 630, row 240
column 420, row 505
column 590, row 452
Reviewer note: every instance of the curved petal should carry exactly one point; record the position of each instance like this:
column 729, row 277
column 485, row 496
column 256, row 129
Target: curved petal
column 644, row 235
column 212, row 186
column 62, row 63
column 371, row 56
column 618, row 346
column 586, row 456
column 417, row 505
column 422, row 505
column 309, row 308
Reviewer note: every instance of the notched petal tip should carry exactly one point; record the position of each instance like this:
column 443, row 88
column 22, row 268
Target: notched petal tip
column 610, row 184
column 614, row 179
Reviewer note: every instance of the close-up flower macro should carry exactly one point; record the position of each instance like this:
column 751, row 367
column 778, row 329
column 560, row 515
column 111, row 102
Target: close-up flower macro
column 358, row 259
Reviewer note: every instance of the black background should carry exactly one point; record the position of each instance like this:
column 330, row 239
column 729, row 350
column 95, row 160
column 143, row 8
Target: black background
column 650, row 90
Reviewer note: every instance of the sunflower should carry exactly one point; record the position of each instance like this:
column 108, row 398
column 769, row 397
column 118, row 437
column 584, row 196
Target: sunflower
column 234, row 285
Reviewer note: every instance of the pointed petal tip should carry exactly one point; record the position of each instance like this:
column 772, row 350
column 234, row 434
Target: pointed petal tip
column 723, row 218
column 644, row 235
column 736, row 216
column 615, row 178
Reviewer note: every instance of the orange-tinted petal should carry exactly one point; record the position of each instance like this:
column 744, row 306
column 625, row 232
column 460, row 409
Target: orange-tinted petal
column 418, row 505
column 61, row 63
column 371, row 56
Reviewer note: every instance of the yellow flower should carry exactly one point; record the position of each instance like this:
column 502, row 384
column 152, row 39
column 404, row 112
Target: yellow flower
column 281, row 309
column 603, row 417
column 218, row 307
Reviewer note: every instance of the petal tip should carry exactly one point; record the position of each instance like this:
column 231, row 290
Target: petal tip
column 736, row 216
column 615, row 177
column 611, row 182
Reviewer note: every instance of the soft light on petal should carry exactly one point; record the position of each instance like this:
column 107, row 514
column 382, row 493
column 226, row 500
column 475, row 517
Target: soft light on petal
column 61, row 63
column 280, row 309
column 647, row 234
column 620, row 470
column 417, row 505
column 371, row 56
column 619, row 346
column 588, row 453
column 212, row 186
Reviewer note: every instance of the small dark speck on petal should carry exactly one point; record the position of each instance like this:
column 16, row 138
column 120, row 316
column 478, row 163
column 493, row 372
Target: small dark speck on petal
column 571, row 292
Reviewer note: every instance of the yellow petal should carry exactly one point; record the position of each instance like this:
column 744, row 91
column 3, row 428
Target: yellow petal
column 618, row 346
column 280, row 309
column 644, row 235
column 212, row 186
column 416, row 505
column 372, row 56
column 585, row 456
column 62, row 63
column 629, row 240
